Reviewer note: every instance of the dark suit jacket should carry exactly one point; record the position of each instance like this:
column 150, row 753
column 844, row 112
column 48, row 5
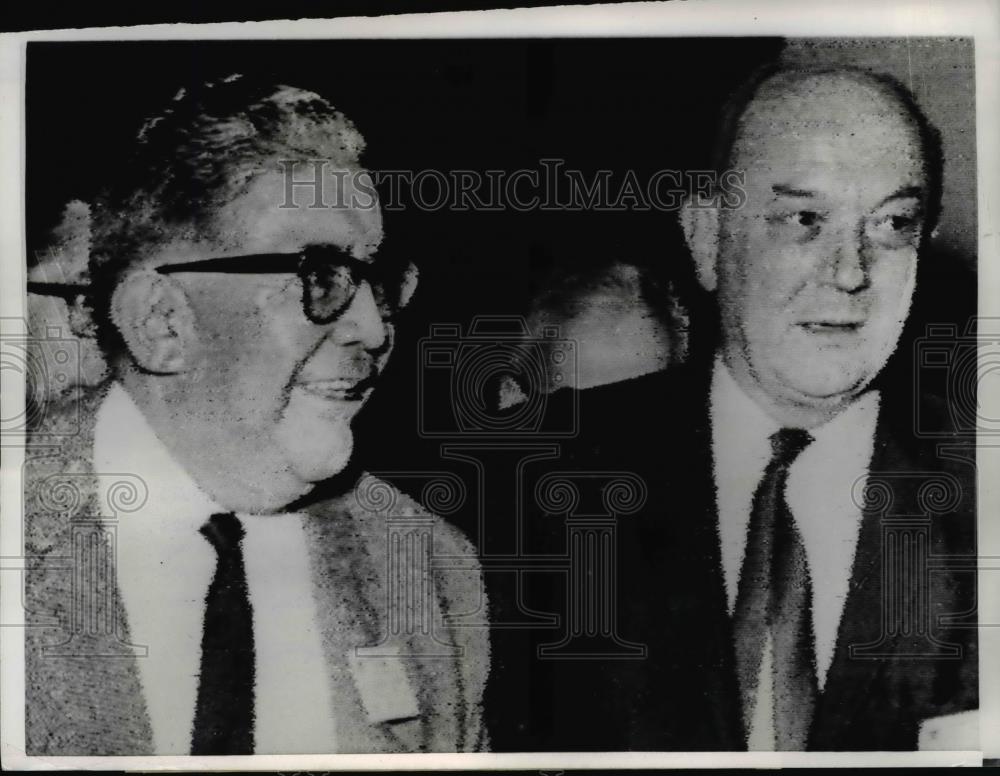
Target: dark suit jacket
column 889, row 671
column 82, row 686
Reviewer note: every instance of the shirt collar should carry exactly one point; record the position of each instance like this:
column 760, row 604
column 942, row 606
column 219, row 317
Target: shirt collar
column 125, row 442
column 732, row 408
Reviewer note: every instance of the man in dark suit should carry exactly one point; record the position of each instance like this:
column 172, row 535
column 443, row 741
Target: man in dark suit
column 801, row 572
column 210, row 571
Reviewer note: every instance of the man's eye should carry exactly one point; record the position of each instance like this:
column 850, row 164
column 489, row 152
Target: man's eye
column 796, row 218
column 802, row 224
column 894, row 230
column 806, row 218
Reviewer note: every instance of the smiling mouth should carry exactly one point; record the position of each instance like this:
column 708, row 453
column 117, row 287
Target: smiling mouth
column 340, row 388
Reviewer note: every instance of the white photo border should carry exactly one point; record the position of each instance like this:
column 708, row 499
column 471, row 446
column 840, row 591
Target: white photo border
column 977, row 19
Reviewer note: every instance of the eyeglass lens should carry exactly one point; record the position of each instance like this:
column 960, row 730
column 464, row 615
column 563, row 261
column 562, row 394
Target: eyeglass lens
column 328, row 288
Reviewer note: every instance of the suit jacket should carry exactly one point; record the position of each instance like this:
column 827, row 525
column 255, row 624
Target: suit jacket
column 893, row 666
column 413, row 690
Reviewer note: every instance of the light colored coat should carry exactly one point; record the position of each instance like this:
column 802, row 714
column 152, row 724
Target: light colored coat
column 416, row 688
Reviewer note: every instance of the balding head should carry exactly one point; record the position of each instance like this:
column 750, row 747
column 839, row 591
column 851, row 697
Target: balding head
column 814, row 274
column 848, row 101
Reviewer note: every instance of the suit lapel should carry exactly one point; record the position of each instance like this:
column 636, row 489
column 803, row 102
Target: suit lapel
column 696, row 571
column 83, row 688
column 387, row 684
column 860, row 665
column 680, row 578
column 697, row 472
column 349, row 613
column 83, row 691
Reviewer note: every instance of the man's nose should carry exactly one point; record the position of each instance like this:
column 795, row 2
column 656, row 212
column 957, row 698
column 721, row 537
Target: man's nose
column 361, row 322
column 849, row 270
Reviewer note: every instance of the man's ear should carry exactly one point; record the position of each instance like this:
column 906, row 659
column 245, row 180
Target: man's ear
column 411, row 277
column 155, row 319
column 701, row 233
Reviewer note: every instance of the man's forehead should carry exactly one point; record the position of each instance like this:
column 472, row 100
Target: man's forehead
column 792, row 115
column 308, row 185
column 271, row 215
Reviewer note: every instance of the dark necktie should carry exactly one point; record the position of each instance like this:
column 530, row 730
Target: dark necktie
column 775, row 595
column 224, row 714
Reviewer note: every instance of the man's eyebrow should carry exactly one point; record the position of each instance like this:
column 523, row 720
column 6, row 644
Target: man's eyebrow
column 907, row 192
column 783, row 190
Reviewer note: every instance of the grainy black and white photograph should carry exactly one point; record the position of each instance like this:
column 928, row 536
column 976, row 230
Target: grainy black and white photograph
column 498, row 395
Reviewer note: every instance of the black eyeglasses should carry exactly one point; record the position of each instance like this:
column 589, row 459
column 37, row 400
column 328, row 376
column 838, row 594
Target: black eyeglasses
column 67, row 291
column 330, row 277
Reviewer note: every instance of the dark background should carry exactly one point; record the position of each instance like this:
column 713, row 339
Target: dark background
column 617, row 104
column 642, row 104
column 622, row 104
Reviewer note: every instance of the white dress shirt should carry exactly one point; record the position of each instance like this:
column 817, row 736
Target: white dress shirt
column 164, row 568
column 819, row 491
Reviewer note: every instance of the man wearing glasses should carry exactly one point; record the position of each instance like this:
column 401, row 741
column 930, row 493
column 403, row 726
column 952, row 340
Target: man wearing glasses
column 245, row 609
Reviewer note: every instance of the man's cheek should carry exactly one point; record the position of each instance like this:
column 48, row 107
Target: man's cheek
column 314, row 441
column 891, row 270
column 892, row 283
column 766, row 286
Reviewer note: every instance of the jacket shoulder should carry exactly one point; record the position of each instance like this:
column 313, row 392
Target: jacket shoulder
column 69, row 416
column 377, row 498
column 58, row 467
column 376, row 504
column 458, row 586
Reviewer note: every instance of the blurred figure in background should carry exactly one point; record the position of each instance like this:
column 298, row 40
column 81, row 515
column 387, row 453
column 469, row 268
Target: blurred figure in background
column 625, row 320
column 62, row 352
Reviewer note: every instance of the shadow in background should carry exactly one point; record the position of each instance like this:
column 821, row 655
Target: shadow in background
column 638, row 104
column 617, row 105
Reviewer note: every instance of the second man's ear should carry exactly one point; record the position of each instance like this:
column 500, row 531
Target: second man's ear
column 411, row 277
column 156, row 321
column 701, row 233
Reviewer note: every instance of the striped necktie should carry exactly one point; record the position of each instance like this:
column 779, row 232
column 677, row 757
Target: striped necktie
column 774, row 598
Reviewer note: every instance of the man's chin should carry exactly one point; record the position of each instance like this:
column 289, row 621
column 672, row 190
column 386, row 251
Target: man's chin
column 317, row 472
column 321, row 464
column 826, row 386
column 317, row 450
